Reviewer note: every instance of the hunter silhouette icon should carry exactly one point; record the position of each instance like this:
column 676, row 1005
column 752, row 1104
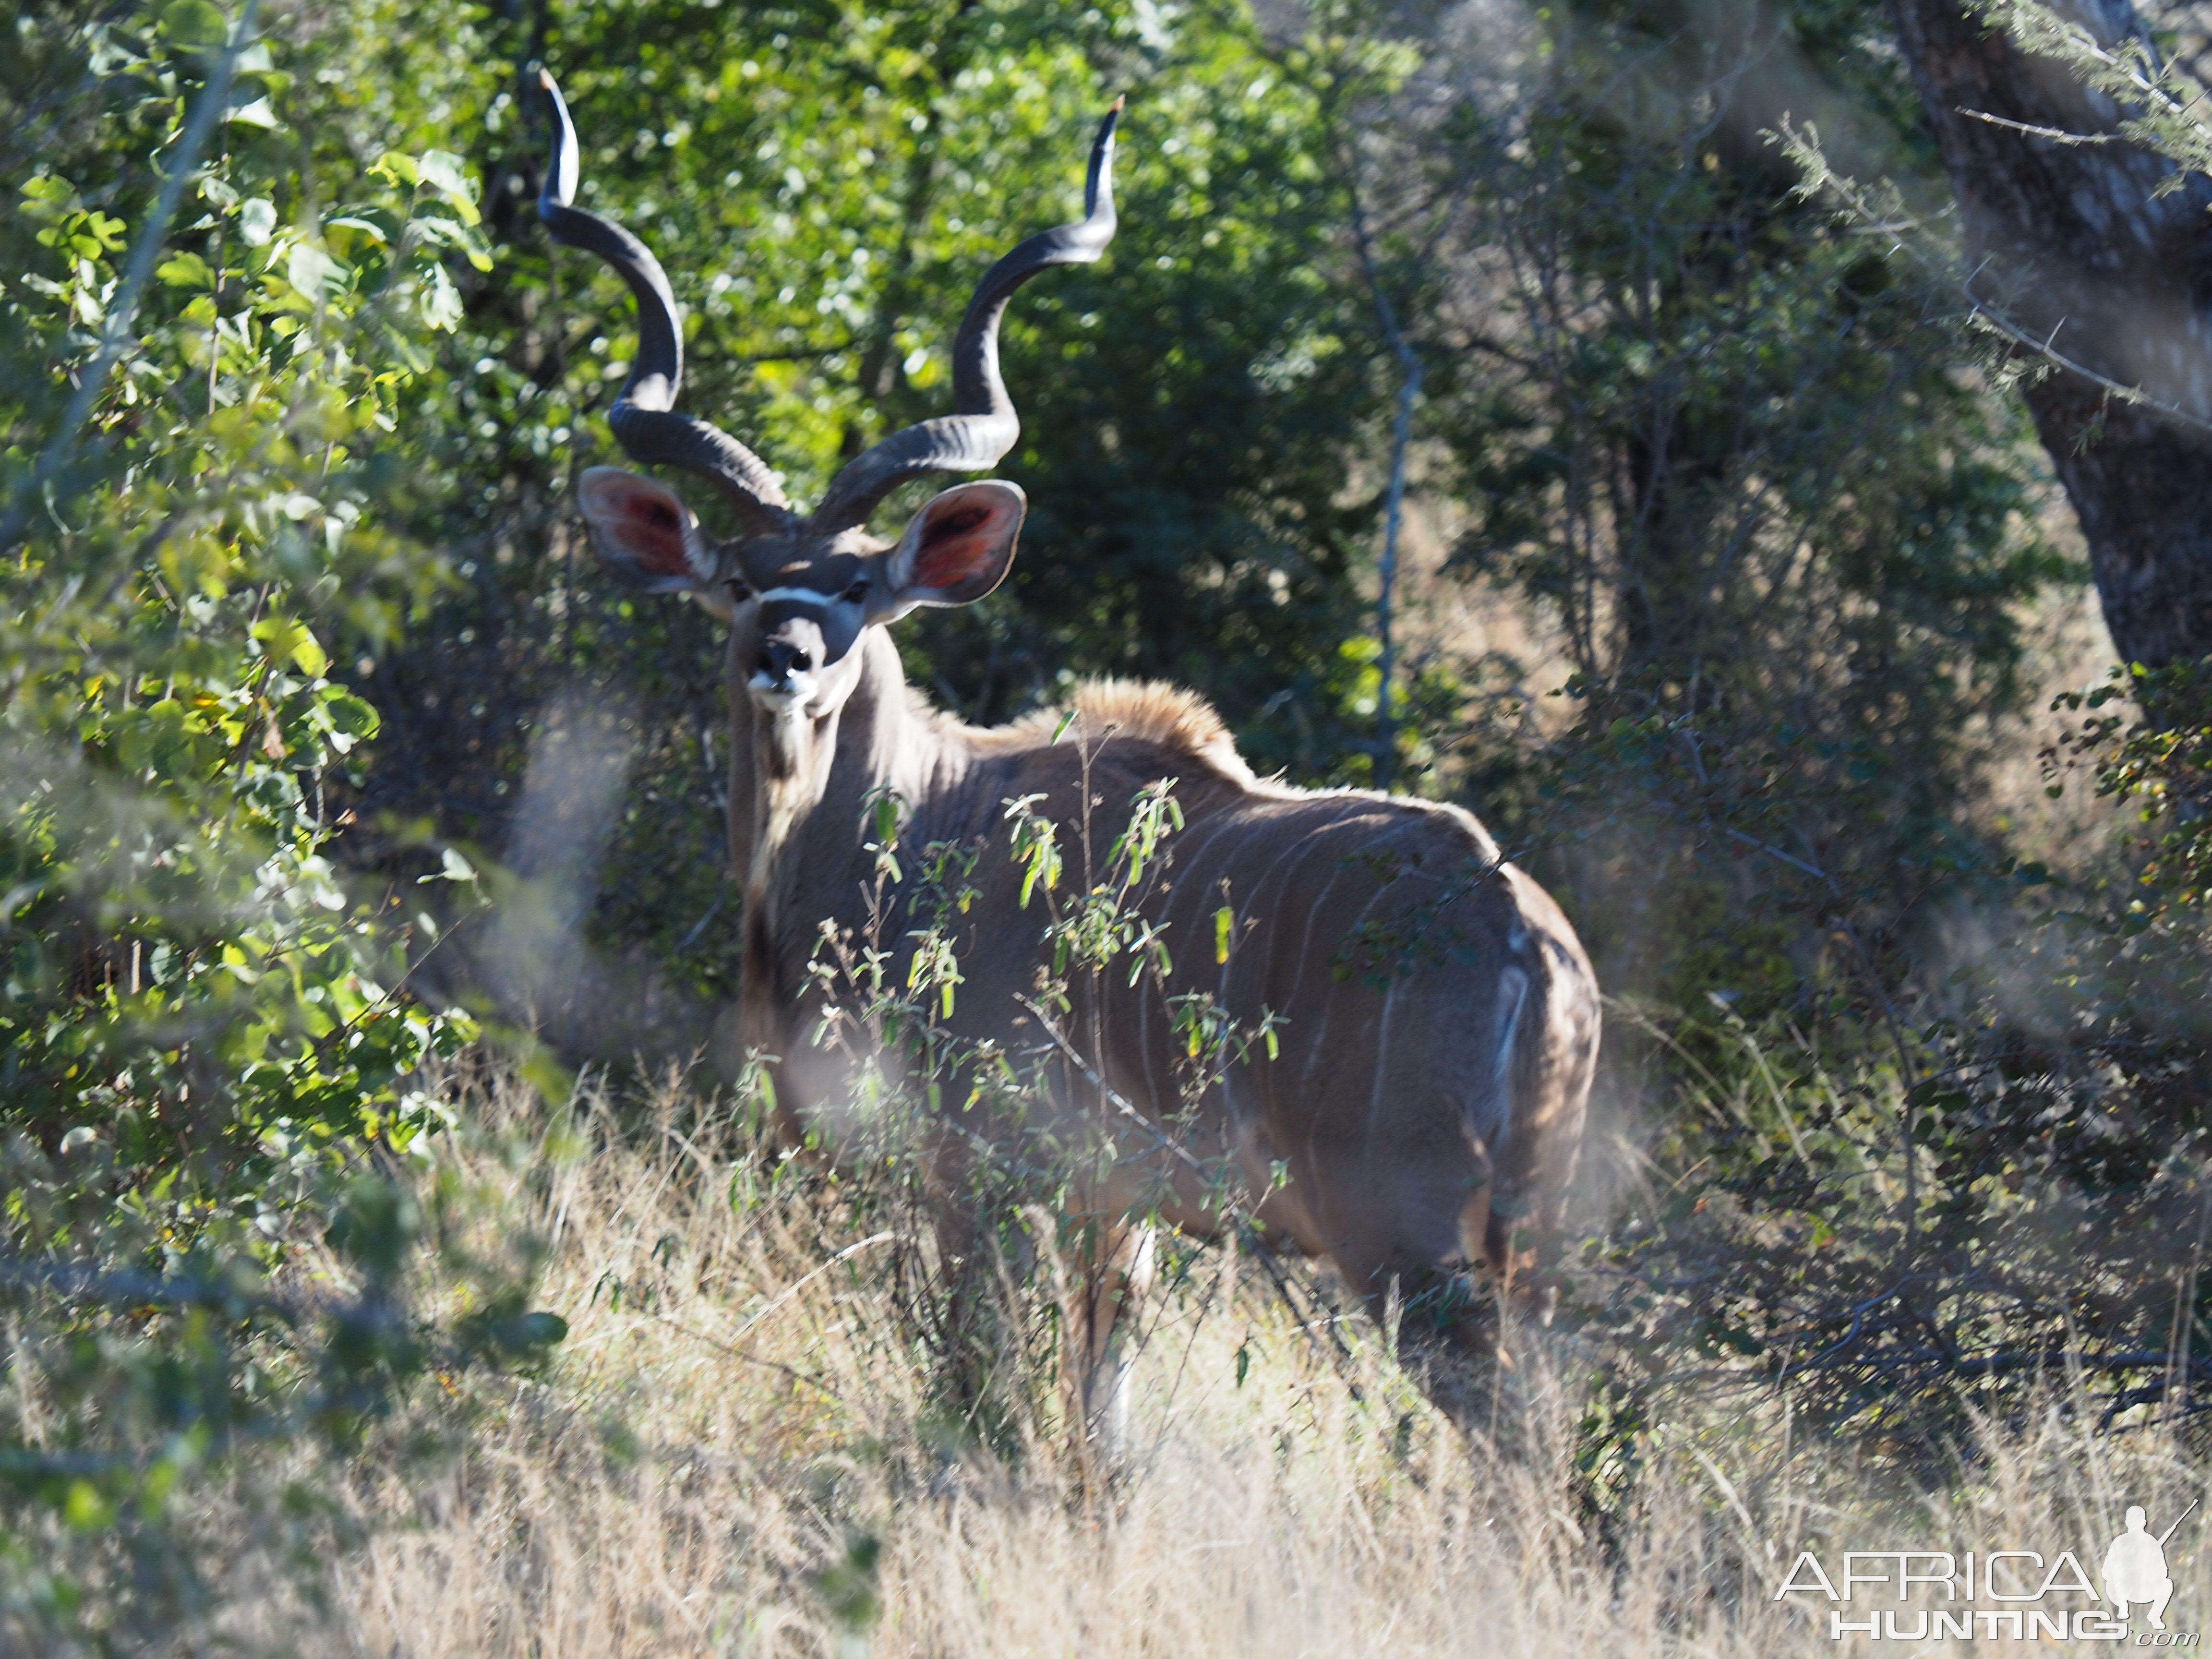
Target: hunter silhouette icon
column 2134, row 1568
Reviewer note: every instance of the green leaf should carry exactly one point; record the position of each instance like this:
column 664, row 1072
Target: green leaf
column 398, row 169
column 257, row 221
column 255, row 114
column 367, row 229
column 554, row 1082
column 185, row 270
column 195, row 24
column 1225, row 919
column 312, row 272
column 286, row 637
column 452, row 868
column 85, row 1509
column 447, row 174
column 441, row 300
column 350, row 717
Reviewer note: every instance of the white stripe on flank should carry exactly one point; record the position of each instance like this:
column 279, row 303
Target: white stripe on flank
column 794, row 596
column 1512, row 998
column 1382, row 1056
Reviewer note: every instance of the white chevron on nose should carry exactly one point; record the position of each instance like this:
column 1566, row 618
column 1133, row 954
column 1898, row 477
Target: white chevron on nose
column 794, row 596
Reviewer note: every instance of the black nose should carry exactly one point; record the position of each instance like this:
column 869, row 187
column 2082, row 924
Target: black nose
column 779, row 659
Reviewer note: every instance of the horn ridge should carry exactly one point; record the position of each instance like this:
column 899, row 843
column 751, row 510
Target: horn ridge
column 984, row 425
column 644, row 418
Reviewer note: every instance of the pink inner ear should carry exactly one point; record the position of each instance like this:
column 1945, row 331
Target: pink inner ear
column 951, row 550
column 653, row 530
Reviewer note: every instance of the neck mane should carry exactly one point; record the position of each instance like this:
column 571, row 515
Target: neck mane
column 798, row 793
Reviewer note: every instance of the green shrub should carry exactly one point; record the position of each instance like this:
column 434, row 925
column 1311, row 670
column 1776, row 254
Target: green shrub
column 218, row 303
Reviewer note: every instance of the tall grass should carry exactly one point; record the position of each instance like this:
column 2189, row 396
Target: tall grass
column 742, row 1449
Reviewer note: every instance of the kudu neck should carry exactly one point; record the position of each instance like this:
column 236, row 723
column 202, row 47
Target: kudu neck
column 800, row 790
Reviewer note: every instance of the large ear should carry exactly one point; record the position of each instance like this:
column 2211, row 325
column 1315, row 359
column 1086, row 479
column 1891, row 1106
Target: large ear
column 959, row 546
column 644, row 535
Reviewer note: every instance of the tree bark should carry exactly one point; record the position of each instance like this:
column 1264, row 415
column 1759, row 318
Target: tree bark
column 2071, row 245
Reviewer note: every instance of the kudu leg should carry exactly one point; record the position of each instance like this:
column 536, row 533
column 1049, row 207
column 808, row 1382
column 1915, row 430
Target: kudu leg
column 972, row 1301
column 1097, row 1291
column 1451, row 1340
column 1448, row 1321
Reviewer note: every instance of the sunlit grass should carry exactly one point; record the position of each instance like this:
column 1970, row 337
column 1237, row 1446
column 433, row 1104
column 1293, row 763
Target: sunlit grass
column 740, row 1449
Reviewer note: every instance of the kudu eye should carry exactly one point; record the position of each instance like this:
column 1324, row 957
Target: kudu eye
column 856, row 592
column 739, row 592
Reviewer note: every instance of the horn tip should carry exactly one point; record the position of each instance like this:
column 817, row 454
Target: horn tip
column 545, row 80
column 1114, row 108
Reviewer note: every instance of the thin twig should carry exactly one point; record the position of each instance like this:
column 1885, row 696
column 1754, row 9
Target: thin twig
column 720, row 1346
column 801, row 1283
column 1340, row 1355
column 1111, row 1096
column 1386, row 728
column 2056, row 134
column 1998, row 322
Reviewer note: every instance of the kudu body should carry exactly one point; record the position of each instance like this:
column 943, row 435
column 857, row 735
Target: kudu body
column 1436, row 1021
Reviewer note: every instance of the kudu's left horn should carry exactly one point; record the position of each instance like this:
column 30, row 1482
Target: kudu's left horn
column 644, row 416
column 985, row 426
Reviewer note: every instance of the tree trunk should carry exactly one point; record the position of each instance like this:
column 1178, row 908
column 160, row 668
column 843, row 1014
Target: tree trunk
column 2071, row 246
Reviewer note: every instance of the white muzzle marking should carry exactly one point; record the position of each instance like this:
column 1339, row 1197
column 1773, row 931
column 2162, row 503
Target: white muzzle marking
column 786, row 701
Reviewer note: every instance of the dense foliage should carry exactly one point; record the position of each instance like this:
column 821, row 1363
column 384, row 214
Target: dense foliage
column 214, row 319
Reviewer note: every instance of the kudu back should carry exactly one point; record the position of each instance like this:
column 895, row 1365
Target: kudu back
column 1436, row 1020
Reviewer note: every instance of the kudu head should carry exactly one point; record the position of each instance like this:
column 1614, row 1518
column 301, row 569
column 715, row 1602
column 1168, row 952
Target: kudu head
column 799, row 590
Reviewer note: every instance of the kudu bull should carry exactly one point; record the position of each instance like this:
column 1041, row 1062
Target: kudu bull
column 1421, row 1114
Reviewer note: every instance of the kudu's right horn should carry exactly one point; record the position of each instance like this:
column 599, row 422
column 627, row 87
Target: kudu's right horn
column 986, row 427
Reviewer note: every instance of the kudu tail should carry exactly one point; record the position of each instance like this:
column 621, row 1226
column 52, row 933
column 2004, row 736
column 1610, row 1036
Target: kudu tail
column 1547, row 1034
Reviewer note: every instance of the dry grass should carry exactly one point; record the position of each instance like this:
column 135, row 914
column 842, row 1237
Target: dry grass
column 739, row 1452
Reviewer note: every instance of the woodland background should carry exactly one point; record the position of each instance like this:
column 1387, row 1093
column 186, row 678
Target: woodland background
column 1770, row 505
